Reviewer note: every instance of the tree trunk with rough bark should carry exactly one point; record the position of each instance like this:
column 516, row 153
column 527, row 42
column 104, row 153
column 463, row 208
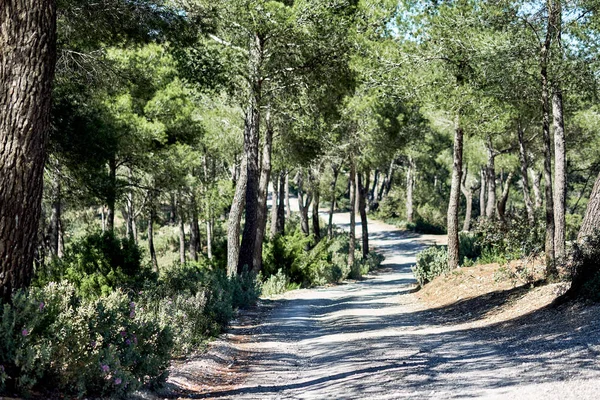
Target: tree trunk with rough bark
column 525, row 178
column 315, row 215
column 234, row 221
column 482, row 190
column 181, row 220
column 361, row 193
column 537, row 188
column 303, row 203
column 274, row 207
column 549, row 243
column 504, row 198
column 410, row 183
column 151, row 249
column 352, row 233
column 560, row 174
column 467, row 191
column 591, row 220
column 490, row 209
column 27, row 60
column 453, row 240
column 195, row 229
column 281, row 204
column 247, row 257
column 263, row 188
column 336, row 171
column 288, row 208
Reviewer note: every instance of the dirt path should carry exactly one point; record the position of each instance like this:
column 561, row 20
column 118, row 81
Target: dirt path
column 374, row 340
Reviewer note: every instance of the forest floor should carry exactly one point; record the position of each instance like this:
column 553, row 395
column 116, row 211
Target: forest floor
column 477, row 333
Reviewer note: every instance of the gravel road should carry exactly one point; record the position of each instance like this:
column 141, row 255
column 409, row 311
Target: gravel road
column 374, row 340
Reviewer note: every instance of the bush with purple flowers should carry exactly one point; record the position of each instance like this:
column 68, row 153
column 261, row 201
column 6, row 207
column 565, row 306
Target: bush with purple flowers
column 79, row 347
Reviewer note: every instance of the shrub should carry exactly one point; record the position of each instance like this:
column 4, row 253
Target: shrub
column 431, row 263
column 275, row 284
column 97, row 264
column 51, row 338
column 196, row 301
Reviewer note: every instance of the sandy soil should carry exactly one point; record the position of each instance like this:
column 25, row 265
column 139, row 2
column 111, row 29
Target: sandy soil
column 378, row 339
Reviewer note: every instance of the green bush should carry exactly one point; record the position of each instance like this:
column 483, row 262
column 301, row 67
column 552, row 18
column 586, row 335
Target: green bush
column 52, row 338
column 97, row 264
column 431, row 263
column 275, row 284
column 196, row 301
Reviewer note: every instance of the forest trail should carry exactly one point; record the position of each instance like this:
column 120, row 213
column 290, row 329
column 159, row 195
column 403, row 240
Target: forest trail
column 375, row 340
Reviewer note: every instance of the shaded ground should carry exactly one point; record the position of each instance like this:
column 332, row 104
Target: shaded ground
column 376, row 339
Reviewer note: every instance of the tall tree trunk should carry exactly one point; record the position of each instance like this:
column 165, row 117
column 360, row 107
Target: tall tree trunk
column 234, row 221
column 251, row 144
column 549, row 244
column 482, row 190
column 151, row 249
column 302, row 203
column 525, row 178
column 336, row 171
column 209, row 236
column 490, row 209
column 263, row 188
column 27, row 59
column 130, row 208
column 181, row 231
column 54, row 231
column 537, row 188
column 288, row 208
column 352, row 234
column 453, row 241
column 275, row 199
column 560, row 174
column 111, row 196
column 467, row 191
column 361, row 193
column 504, row 198
column 390, row 178
column 591, row 220
column 410, row 183
column 315, row 215
column 281, row 204
column 194, row 229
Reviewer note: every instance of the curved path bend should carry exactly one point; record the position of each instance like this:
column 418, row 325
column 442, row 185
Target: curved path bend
column 373, row 340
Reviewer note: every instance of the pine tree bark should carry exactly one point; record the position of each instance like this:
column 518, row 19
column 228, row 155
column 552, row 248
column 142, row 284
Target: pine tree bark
column 336, row 171
column 504, row 198
column 247, row 257
column 410, row 183
column 288, row 208
column 27, row 60
column 55, row 217
column 303, row 203
column 549, row 242
column 490, row 210
column 525, row 178
column 352, row 233
column 151, row 248
column 315, row 215
column 274, row 207
column 263, row 188
column 453, row 240
column 281, row 204
column 361, row 193
column 591, row 220
column 482, row 190
column 181, row 231
column 234, row 221
column 195, row 229
column 111, row 195
column 467, row 191
column 537, row 188
column 560, row 174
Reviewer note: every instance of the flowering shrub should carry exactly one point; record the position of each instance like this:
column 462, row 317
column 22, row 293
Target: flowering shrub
column 51, row 338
